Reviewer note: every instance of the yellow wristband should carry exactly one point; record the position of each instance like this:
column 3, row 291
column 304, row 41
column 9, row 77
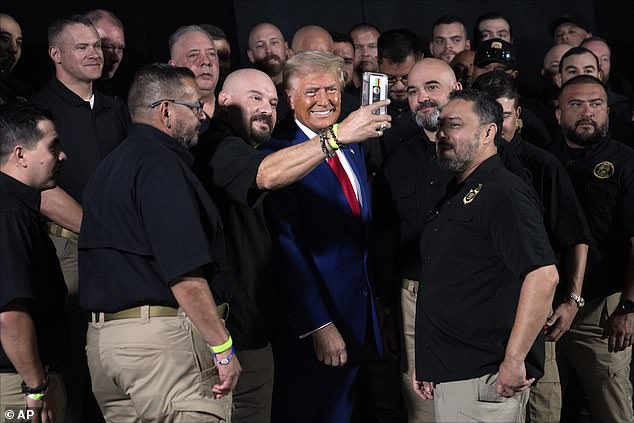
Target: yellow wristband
column 223, row 347
column 36, row 397
column 335, row 127
column 332, row 143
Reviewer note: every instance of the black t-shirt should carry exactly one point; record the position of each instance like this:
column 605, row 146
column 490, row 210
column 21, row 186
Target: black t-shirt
column 147, row 220
column 603, row 178
column 477, row 246
column 564, row 220
column 405, row 191
column 228, row 167
column 86, row 135
column 30, row 270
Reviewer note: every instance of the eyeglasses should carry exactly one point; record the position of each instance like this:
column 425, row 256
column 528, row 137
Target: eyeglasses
column 392, row 80
column 196, row 108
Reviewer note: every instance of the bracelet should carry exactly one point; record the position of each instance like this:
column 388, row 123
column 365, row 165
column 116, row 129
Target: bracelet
column 334, row 130
column 226, row 360
column 323, row 139
column 36, row 397
column 26, row 389
column 222, row 347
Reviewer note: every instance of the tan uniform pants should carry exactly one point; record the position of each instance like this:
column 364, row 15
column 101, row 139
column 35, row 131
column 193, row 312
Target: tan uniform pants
column 153, row 369
column 604, row 375
column 418, row 410
column 476, row 400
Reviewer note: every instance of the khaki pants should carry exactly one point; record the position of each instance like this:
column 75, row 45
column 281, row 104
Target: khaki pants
column 544, row 401
column 418, row 410
column 12, row 399
column 476, row 400
column 156, row 369
column 66, row 250
column 254, row 391
column 604, row 375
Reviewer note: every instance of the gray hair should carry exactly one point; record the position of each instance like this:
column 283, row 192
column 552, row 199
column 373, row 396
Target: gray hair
column 306, row 62
column 173, row 39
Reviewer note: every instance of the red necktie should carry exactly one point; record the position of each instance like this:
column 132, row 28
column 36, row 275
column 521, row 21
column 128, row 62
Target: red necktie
column 344, row 181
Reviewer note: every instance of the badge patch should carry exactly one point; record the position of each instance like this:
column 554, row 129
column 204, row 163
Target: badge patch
column 471, row 194
column 603, row 170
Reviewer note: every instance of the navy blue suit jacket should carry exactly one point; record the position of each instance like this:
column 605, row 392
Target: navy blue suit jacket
column 322, row 249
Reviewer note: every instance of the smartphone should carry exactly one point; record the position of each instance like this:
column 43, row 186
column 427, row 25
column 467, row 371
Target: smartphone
column 374, row 89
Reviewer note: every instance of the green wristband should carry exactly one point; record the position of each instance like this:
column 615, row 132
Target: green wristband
column 217, row 349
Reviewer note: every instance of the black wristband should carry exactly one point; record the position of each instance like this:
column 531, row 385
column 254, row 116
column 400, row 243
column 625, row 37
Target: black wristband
column 26, row 389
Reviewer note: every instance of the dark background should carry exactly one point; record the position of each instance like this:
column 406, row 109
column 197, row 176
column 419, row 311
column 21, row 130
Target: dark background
column 148, row 24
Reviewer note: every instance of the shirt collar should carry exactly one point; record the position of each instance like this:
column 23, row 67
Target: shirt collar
column 483, row 170
column 165, row 140
column 69, row 96
column 29, row 196
column 306, row 130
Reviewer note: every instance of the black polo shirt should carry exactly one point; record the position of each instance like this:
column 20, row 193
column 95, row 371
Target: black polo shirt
column 603, row 178
column 403, row 127
column 147, row 220
column 227, row 165
column 30, row 271
column 405, row 191
column 483, row 238
column 564, row 220
column 86, row 135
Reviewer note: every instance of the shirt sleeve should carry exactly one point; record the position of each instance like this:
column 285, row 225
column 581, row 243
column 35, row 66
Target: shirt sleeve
column 233, row 167
column 16, row 275
column 518, row 232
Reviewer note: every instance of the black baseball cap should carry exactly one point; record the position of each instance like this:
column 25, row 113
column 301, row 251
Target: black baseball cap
column 575, row 20
column 495, row 50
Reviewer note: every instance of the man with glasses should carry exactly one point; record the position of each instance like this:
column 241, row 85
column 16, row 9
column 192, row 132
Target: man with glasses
column 399, row 49
column 110, row 29
column 152, row 242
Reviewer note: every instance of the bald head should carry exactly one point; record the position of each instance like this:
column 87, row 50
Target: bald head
column 248, row 103
column 429, row 84
column 553, row 57
column 312, row 37
column 244, row 79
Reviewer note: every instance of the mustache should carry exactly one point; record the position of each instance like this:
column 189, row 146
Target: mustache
column 427, row 103
column 263, row 117
column 272, row 57
column 585, row 121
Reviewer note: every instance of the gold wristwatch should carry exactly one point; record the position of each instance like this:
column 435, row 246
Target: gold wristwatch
column 577, row 299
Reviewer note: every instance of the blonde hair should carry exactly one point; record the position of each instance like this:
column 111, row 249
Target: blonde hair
column 306, row 62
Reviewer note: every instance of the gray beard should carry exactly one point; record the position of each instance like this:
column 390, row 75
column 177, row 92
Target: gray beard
column 429, row 122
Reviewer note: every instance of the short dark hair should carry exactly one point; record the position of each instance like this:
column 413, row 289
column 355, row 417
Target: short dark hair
column 583, row 79
column 153, row 82
column 215, row 31
column 484, row 106
column 449, row 19
column 396, row 44
column 487, row 17
column 575, row 51
column 498, row 84
column 18, row 125
column 363, row 26
column 57, row 26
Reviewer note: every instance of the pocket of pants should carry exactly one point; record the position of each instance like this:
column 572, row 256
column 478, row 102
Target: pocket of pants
column 208, row 373
column 205, row 407
column 481, row 411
